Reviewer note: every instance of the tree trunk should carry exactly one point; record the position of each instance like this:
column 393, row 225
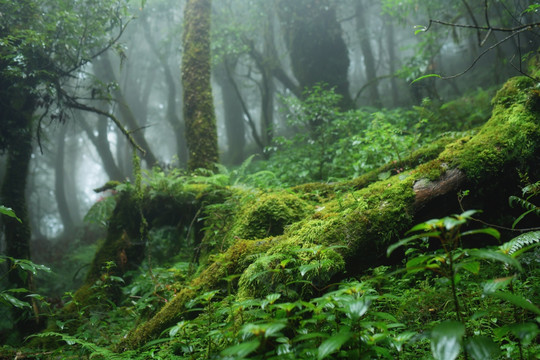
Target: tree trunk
column 363, row 217
column 13, row 194
column 199, row 116
column 362, row 29
column 172, row 115
column 59, row 184
column 392, row 59
column 102, row 145
column 105, row 72
column 234, row 116
column 316, row 47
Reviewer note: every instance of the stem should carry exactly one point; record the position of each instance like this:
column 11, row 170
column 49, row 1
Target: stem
column 454, row 295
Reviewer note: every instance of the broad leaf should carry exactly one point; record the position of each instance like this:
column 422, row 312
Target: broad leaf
column 333, row 344
column 487, row 231
column 495, row 255
column 482, row 348
column 425, row 76
column 405, row 241
column 13, row 301
column 9, row 212
column 446, row 339
column 242, row 350
column 526, row 332
column 517, row 300
column 472, row 266
column 357, row 307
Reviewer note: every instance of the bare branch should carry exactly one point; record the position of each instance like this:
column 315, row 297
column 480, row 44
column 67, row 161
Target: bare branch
column 74, row 104
column 484, row 53
column 513, row 30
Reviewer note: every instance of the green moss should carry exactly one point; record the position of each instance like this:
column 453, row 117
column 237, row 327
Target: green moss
column 320, row 232
column 512, row 91
column 234, row 261
column 269, row 214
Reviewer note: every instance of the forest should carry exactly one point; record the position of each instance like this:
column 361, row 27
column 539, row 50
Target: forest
column 270, row 179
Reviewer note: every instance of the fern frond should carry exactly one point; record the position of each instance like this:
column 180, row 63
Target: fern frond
column 527, row 205
column 532, row 188
column 95, row 350
column 521, row 243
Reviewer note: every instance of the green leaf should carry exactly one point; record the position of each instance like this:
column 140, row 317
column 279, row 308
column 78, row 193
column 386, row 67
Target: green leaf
column 496, row 284
column 9, row 212
column 472, row 266
column 526, row 332
column 242, row 350
column 405, row 241
column 6, row 298
column 517, row 300
column 495, row 255
column 482, row 348
column 425, row 76
column 446, row 339
column 487, row 231
column 333, row 344
column 304, row 269
column 357, row 307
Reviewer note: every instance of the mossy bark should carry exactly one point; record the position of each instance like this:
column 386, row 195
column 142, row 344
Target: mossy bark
column 348, row 227
column 199, row 116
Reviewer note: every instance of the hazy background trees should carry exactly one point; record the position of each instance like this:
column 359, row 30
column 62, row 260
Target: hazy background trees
column 263, row 52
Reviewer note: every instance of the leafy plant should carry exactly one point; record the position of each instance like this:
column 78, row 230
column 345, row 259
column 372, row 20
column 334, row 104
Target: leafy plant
column 447, row 338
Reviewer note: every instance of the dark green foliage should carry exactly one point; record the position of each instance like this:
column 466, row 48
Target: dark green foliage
column 331, row 144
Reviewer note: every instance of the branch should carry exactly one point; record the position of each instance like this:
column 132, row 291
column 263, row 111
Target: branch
column 484, row 53
column 244, row 107
column 74, row 104
column 514, row 30
column 371, row 82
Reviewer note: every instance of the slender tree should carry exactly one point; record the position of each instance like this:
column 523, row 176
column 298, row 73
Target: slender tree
column 199, row 116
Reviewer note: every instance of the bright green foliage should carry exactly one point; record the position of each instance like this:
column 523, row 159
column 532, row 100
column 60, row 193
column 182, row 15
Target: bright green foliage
column 8, row 212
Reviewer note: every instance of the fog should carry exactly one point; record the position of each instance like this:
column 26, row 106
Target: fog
column 256, row 51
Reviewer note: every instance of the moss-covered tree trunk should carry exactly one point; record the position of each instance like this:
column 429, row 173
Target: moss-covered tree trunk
column 363, row 217
column 199, row 116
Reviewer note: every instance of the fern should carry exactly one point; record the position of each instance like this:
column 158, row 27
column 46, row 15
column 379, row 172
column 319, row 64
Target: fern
column 525, row 204
column 95, row 350
column 521, row 243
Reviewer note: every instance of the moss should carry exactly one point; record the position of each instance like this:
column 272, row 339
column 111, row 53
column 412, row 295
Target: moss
column 234, row 261
column 420, row 156
column 512, row 91
column 269, row 214
column 349, row 225
column 200, row 119
column 510, row 135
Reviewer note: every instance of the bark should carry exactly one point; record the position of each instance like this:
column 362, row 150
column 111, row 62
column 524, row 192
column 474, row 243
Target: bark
column 13, row 195
column 379, row 212
column 316, row 47
column 105, row 72
column 392, row 59
column 59, row 182
column 199, row 116
column 172, row 115
column 102, row 145
column 369, row 60
column 234, row 117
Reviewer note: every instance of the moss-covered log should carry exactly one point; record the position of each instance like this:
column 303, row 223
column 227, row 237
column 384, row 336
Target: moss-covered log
column 347, row 227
